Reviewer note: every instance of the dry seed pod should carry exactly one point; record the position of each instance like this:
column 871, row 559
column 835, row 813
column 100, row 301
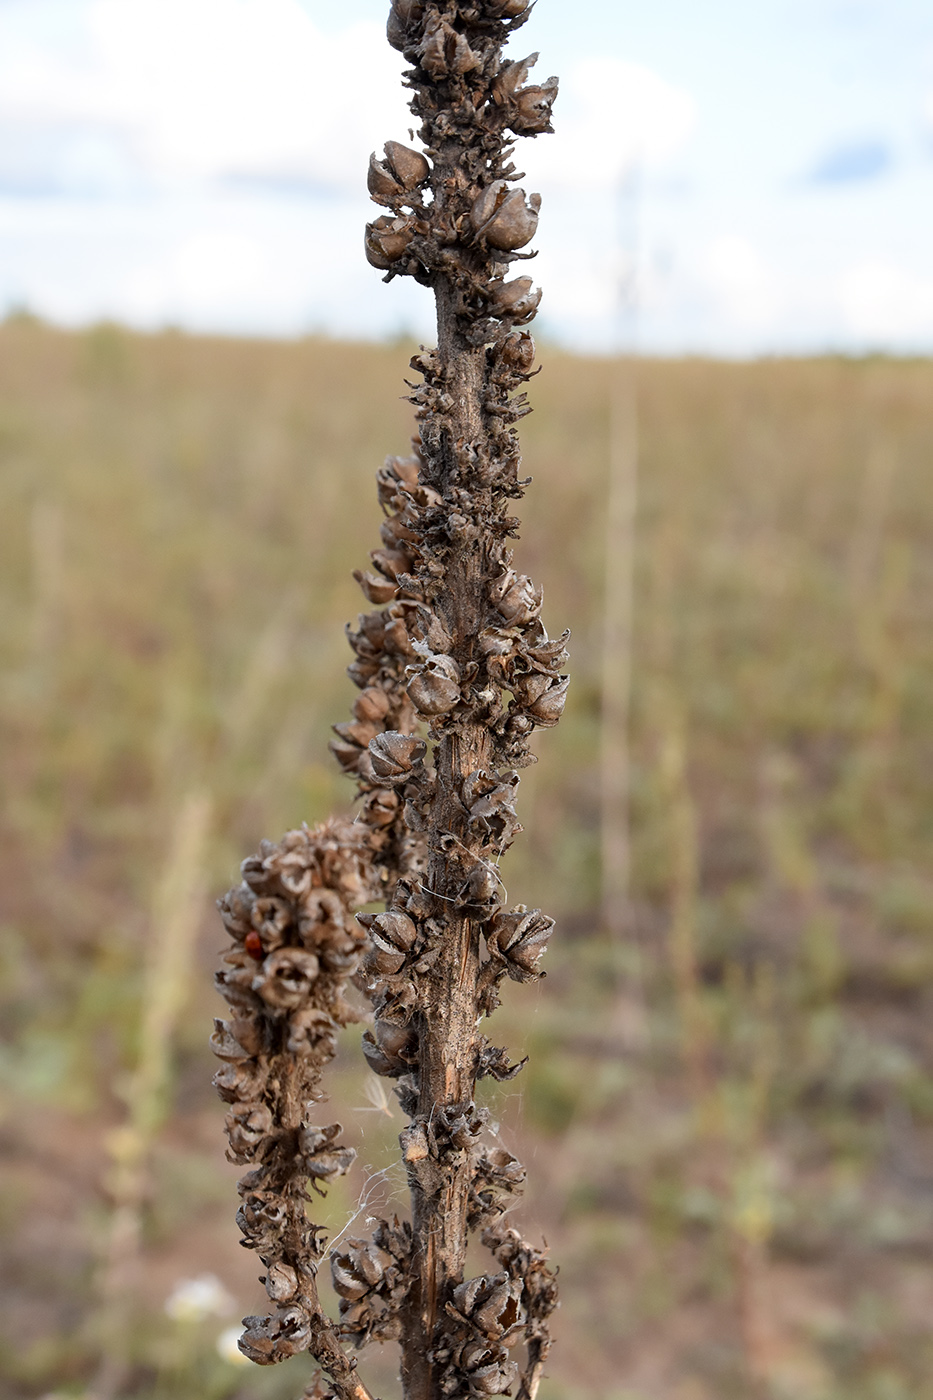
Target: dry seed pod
column 372, row 705
column 408, row 11
column 377, row 1059
column 520, row 940
column 394, row 755
column 223, row 1043
column 549, row 706
column 402, row 171
column 347, row 755
column 518, row 299
column 395, row 929
column 515, row 598
column 359, row 1268
column 531, row 109
column 391, row 562
column 356, row 732
column 435, row 688
column 281, row 1283
column 387, row 240
column 249, row 1126
column 443, row 51
column 380, row 808
column 377, row 590
column 286, row 978
column 409, row 167
column 517, row 352
column 503, row 219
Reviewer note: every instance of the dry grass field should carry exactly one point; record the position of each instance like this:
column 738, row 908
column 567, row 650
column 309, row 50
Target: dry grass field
column 728, row 1119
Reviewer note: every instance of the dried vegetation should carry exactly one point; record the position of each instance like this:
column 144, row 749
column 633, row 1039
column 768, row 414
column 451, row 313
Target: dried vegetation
column 456, row 647
column 730, row 1127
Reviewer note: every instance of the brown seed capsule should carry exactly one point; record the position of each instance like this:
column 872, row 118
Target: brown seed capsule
column 435, row 689
column 377, row 1059
column 242, row 1082
column 359, row 1268
column 410, row 168
column 395, row 929
column 235, row 910
column 395, row 473
column 517, row 352
column 387, row 240
column 531, row 109
column 380, row 808
column 391, row 562
column 248, row 1125
column 481, row 888
column 347, row 755
column 402, row 16
column 514, row 299
column 394, row 755
column 520, row 939
column 399, row 1044
column 507, row 9
column 224, row 1044
column 286, row 978
column 311, row 1031
column 356, row 732
column 321, row 1158
column 372, row 705
column 510, row 77
column 444, row 51
column 281, row 1282
column 377, row 590
column 515, row 597
column 548, row 707
column 502, row 218
column 402, row 171
column 381, row 183
column 529, row 688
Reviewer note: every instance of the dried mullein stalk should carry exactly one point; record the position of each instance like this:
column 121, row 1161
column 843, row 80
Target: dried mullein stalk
column 455, row 671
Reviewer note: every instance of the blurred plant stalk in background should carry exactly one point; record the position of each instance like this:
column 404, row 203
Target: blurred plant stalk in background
column 177, row 910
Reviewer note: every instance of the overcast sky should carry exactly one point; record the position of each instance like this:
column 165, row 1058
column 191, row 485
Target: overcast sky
column 757, row 175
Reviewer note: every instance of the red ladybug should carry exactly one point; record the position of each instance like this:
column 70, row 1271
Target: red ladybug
column 253, row 945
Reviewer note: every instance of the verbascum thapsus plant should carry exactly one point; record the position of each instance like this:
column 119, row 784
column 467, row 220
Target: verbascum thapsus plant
column 455, row 672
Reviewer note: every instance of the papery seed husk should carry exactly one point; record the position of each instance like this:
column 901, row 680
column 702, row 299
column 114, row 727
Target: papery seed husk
column 410, row 167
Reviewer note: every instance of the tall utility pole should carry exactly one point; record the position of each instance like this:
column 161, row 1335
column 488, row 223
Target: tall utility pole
column 621, row 506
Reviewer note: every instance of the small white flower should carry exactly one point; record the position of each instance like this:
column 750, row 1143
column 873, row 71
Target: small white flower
column 194, row 1299
column 227, row 1348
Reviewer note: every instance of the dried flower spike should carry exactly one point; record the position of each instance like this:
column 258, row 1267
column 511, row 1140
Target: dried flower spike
column 455, row 671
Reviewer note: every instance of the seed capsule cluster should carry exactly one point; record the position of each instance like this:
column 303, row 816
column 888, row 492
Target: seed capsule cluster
column 455, row 671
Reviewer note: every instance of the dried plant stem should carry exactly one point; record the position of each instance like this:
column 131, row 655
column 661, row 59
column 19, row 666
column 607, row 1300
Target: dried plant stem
column 458, row 650
column 619, row 587
column 684, row 892
column 177, row 908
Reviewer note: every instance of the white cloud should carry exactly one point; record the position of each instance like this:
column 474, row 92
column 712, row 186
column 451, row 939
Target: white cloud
column 612, row 116
column 206, row 88
column 745, row 289
column 887, row 304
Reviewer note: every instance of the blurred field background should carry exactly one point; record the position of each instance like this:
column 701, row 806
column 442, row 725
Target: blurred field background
column 728, row 1117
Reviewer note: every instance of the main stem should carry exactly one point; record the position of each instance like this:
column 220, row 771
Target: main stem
column 447, row 1049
